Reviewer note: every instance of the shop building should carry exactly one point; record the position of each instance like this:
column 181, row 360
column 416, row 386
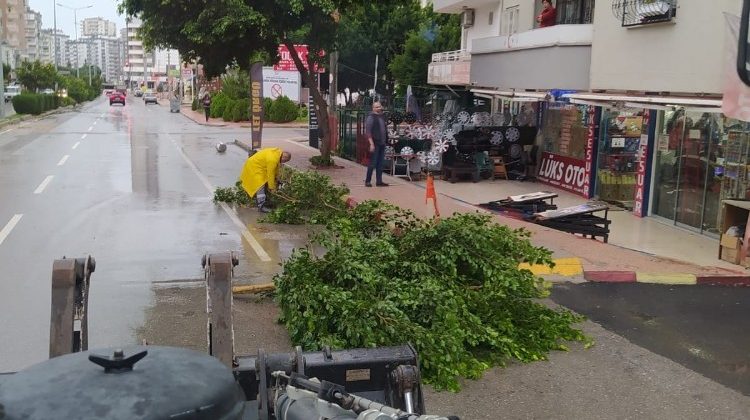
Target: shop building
column 628, row 96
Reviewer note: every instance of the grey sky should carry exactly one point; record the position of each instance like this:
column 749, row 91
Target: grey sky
column 106, row 9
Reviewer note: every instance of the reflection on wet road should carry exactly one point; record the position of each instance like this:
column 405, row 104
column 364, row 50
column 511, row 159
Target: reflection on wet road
column 134, row 193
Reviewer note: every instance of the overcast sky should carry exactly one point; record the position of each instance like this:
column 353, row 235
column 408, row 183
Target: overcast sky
column 106, row 9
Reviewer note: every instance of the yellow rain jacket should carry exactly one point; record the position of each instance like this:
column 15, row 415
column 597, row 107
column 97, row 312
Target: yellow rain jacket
column 261, row 168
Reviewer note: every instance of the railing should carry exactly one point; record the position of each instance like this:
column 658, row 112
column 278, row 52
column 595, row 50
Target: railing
column 457, row 55
column 644, row 12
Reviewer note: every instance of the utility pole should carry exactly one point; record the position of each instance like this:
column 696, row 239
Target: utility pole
column 2, row 82
column 54, row 36
column 75, row 22
column 333, row 85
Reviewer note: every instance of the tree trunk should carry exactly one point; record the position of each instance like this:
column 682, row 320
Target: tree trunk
column 321, row 107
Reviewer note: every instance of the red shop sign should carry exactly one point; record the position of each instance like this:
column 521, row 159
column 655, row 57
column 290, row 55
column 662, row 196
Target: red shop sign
column 564, row 172
column 286, row 63
column 591, row 136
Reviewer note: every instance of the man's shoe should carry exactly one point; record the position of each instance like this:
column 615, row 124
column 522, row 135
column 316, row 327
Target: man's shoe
column 264, row 209
column 367, row 184
column 382, row 184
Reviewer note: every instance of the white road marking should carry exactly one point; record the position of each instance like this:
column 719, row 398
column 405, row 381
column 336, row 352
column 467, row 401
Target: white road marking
column 101, row 115
column 91, row 128
column 62, row 161
column 10, row 129
column 75, row 146
column 94, row 122
column 84, row 136
column 251, row 240
column 9, row 226
column 43, row 185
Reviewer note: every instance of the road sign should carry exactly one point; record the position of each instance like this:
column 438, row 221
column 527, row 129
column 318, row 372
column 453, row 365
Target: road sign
column 276, row 90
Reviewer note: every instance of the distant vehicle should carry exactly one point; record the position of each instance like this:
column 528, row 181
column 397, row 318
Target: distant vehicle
column 149, row 97
column 138, row 93
column 48, row 91
column 117, row 98
column 108, row 92
column 11, row 91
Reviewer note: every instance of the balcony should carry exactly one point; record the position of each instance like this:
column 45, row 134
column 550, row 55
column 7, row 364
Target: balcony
column 456, row 6
column 449, row 68
column 557, row 57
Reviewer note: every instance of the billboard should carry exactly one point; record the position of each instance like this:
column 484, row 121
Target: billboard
column 286, row 63
column 281, row 83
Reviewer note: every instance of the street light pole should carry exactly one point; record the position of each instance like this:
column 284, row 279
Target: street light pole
column 75, row 22
column 2, row 82
column 54, row 34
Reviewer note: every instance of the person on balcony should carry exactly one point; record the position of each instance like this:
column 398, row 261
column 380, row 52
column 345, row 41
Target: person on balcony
column 548, row 17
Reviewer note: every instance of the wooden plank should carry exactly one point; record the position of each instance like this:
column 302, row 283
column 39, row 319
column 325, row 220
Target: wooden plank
column 218, row 272
column 254, row 288
column 62, row 305
column 571, row 211
column 535, row 196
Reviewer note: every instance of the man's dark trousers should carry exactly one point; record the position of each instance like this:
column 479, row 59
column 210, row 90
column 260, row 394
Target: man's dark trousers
column 376, row 163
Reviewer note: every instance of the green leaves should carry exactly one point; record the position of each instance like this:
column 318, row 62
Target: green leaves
column 307, row 197
column 451, row 287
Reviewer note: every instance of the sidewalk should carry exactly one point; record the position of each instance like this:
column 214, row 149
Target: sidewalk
column 582, row 259
column 200, row 118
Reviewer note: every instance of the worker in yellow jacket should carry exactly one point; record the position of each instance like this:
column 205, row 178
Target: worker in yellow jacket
column 259, row 174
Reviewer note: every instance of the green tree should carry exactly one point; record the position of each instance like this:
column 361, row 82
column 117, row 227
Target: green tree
column 77, row 89
column 6, row 73
column 224, row 31
column 377, row 28
column 34, row 75
column 438, row 33
column 235, row 83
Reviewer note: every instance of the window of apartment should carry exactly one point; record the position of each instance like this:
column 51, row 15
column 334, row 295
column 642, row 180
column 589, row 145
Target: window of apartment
column 569, row 12
column 510, row 21
column 492, row 15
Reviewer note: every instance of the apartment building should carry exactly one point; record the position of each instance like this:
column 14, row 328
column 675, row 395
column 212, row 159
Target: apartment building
column 33, row 34
column 13, row 30
column 53, row 47
column 147, row 68
column 626, row 93
column 97, row 26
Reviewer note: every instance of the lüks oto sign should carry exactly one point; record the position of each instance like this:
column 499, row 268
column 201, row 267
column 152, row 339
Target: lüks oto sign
column 564, row 172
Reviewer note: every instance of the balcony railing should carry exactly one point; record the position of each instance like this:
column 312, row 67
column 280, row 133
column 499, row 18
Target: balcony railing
column 457, row 55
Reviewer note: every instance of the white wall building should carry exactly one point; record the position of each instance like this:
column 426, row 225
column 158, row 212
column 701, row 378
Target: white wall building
column 13, row 30
column 628, row 93
column 33, row 33
column 98, row 26
column 53, row 48
column 148, row 67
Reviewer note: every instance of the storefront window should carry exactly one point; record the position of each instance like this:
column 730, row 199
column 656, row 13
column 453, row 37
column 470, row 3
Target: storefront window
column 620, row 138
column 701, row 159
column 564, row 131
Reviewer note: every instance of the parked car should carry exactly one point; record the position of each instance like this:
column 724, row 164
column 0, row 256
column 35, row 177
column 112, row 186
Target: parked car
column 48, row 91
column 149, row 98
column 117, row 98
column 138, row 93
column 11, row 91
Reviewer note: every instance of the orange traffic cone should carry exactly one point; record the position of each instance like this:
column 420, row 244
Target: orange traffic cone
column 430, row 193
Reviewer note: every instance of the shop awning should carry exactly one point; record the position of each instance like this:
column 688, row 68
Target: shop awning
column 512, row 95
column 635, row 100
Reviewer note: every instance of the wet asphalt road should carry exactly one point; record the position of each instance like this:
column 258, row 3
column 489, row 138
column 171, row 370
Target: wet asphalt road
column 131, row 186
column 704, row 328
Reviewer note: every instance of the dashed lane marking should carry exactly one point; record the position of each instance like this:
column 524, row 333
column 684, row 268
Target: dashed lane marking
column 251, row 240
column 75, row 146
column 43, row 185
column 9, row 226
column 63, row 160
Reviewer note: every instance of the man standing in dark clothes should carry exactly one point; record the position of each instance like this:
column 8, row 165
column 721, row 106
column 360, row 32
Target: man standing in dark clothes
column 377, row 135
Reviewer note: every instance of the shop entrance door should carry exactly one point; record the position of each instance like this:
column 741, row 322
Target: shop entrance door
column 689, row 169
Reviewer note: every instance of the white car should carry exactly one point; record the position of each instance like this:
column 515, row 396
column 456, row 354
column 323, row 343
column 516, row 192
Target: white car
column 11, row 91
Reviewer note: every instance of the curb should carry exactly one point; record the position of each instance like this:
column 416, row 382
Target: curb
column 665, row 278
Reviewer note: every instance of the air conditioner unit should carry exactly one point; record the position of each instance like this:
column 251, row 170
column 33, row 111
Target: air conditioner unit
column 467, row 18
